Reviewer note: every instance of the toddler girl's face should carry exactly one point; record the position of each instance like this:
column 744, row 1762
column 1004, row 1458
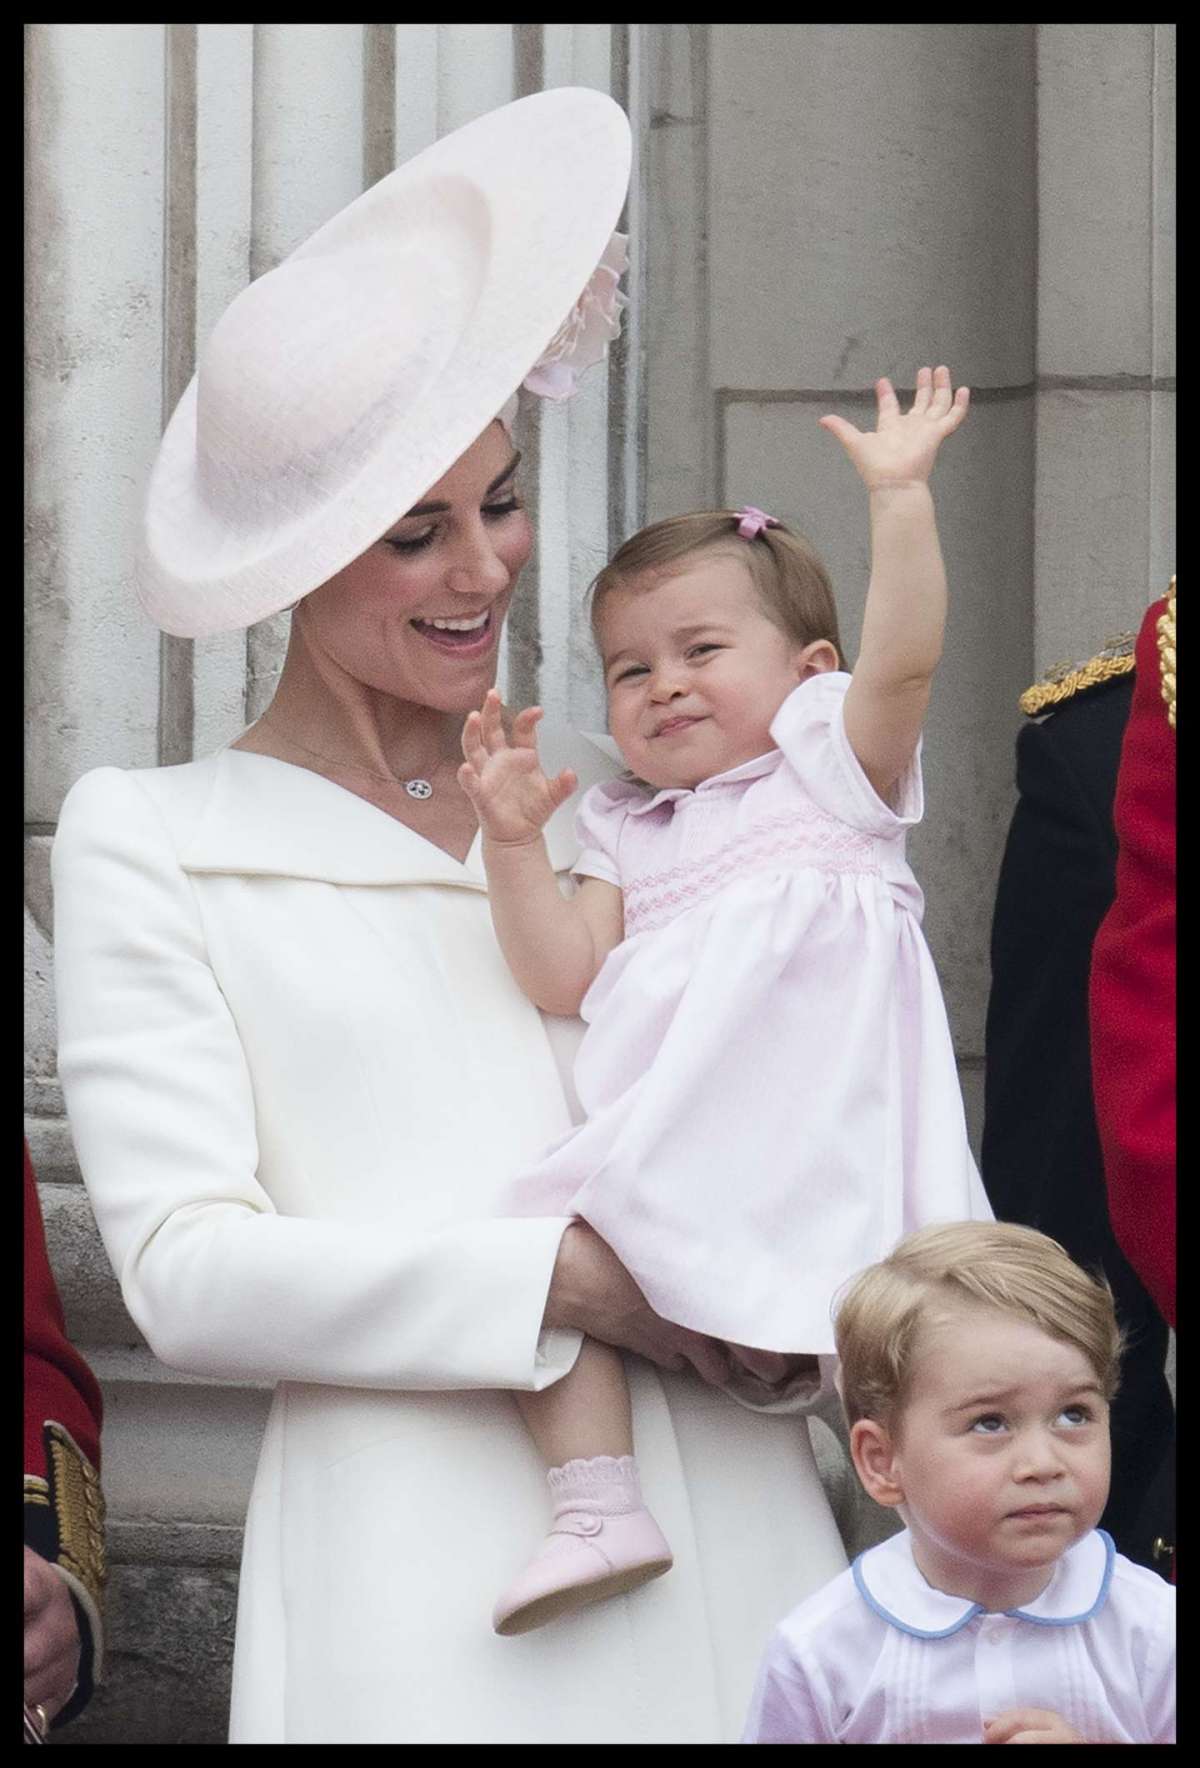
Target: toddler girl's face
column 1002, row 1453
column 696, row 672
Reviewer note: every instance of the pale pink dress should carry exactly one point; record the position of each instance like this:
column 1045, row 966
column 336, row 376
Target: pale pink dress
column 770, row 1086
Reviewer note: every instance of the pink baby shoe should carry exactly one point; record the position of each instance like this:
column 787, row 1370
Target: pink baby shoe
column 602, row 1542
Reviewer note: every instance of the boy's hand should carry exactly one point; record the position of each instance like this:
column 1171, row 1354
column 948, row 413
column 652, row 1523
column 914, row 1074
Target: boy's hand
column 903, row 446
column 1029, row 1725
column 503, row 778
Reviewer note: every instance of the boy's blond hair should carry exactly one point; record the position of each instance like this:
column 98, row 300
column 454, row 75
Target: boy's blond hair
column 791, row 582
column 993, row 1264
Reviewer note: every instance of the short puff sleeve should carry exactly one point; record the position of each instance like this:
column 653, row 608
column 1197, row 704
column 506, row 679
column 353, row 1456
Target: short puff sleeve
column 599, row 823
column 810, row 729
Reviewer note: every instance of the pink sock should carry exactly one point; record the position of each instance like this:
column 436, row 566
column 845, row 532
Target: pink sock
column 605, row 1485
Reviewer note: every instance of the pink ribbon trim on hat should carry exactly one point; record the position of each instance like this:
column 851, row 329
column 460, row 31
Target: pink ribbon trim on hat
column 752, row 522
column 582, row 339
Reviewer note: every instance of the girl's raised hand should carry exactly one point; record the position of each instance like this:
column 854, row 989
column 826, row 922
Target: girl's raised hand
column 503, row 778
column 902, row 447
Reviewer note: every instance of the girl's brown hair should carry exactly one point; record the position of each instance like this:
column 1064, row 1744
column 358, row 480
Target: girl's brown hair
column 791, row 582
column 993, row 1264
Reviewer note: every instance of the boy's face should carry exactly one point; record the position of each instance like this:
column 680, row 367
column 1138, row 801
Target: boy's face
column 1000, row 1459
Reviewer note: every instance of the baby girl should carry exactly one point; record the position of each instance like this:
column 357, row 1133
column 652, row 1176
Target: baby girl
column 768, row 1075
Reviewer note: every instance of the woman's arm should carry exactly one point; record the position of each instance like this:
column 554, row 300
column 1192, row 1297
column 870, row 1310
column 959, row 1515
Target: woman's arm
column 554, row 945
column 162, row 1113
column 906, row 599
column 162, row 1110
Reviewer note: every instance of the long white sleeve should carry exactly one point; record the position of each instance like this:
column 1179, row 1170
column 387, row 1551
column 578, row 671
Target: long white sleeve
column 162, row 1108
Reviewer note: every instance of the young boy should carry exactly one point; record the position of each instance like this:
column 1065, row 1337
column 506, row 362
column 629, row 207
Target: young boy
column 977, row 1364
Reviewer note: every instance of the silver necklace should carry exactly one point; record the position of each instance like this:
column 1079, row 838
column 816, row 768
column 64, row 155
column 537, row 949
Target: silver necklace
column 417, row 787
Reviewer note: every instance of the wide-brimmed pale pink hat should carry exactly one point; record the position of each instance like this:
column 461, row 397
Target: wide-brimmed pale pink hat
column 341, row 385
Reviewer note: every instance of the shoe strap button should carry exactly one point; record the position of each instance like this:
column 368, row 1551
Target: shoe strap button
column 582, row 1523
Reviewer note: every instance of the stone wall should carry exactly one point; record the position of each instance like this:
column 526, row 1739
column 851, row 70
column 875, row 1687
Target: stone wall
column 813, row 205
column 843, row 201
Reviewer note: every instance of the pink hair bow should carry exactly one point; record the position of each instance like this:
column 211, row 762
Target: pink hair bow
column 752, row 522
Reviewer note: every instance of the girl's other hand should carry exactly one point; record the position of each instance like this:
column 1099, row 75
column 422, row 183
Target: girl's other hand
column 1029, row 1725
column 903, row 445
column 503, row 778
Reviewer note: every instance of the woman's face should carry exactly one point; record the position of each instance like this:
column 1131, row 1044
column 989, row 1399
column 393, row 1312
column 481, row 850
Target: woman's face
column 418, row 615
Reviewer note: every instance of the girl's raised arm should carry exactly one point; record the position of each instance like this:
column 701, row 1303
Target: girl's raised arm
column 906, row 599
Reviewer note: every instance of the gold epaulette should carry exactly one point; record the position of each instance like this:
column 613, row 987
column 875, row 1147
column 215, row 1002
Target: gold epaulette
column 1166, row 653
column 1066, row 680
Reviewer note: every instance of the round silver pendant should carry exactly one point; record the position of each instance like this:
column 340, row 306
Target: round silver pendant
column 418, row 788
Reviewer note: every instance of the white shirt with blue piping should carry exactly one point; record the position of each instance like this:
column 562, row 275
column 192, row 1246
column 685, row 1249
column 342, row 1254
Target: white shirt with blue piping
column 880, row 1656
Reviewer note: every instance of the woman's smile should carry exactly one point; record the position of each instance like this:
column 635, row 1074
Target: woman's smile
column 466, row 635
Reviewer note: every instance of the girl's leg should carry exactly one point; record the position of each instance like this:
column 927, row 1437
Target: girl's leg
column 584, row 1414
column 602, row 1541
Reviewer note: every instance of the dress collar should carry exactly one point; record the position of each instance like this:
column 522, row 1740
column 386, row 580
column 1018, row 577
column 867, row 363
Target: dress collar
column 889, row 1582
column 642, row 798
column 253, row 815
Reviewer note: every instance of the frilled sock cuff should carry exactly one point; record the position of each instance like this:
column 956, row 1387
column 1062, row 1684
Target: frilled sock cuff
column 604, row 1485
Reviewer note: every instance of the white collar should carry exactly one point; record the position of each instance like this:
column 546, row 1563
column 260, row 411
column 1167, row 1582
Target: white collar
column 251, row 814
column 889, row 1582
column 642, row 798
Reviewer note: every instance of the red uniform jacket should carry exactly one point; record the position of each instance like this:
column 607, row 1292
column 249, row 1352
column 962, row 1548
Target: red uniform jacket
column 1132, row 993
column 58, row 1383
column 64, row 1508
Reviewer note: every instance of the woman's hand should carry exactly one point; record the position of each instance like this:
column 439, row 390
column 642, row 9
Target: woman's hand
column 771, row 1367
column 1029, row 1725
column 503, row 778
column 592, row 1291
column 51, row 1637
column 903, row 445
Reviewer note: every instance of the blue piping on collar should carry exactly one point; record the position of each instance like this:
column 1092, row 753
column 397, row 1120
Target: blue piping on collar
column 977, row 1608
column 1110, row 1554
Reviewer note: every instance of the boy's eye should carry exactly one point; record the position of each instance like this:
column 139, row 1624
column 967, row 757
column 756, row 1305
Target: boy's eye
column 1076, row 1415
column 629, row 673
column 702, row 650
column 989, row 1424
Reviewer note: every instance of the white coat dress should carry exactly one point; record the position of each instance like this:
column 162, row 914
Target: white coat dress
column 298, row 1075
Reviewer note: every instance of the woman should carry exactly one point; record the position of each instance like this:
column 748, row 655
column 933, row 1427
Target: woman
column 297, row 1070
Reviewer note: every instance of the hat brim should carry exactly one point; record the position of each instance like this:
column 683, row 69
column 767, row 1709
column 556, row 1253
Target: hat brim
column 550, row 174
